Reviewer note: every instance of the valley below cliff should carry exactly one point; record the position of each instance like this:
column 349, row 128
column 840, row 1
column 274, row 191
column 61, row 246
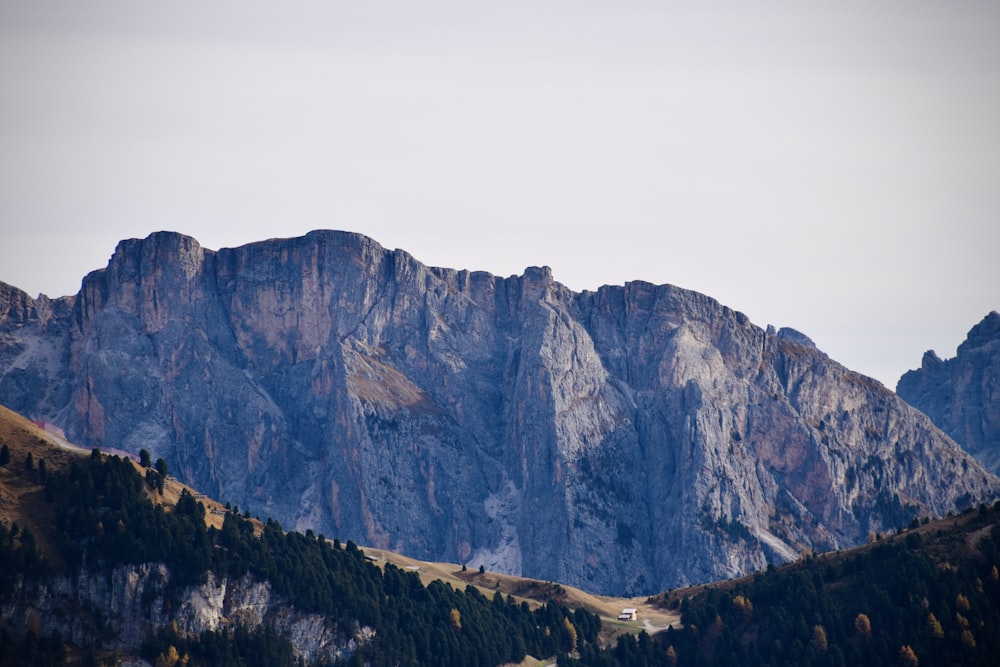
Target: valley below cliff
column 624, row 441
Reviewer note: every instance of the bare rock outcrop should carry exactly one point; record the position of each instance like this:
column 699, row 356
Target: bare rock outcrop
column 130, row 607
column 962, row 394
column 626, row 440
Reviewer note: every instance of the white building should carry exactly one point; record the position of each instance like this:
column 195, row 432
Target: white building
column 629, row 614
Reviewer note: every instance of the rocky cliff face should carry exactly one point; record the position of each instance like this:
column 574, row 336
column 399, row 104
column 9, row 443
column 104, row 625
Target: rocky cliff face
column 131, row 604
column 34, row 357
column 626, row 440
column 962, row 395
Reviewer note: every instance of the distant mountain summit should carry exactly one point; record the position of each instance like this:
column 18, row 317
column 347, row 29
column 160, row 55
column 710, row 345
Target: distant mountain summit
column 962, row 395
column 626, row 440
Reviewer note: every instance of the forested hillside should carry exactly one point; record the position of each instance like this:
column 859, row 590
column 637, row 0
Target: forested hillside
column 926, row 596
column 102, row 518
column 929, row 596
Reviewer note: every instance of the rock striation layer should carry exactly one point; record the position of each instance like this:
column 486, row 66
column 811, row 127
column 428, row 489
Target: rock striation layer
column 626, row 440
column 962, row 394
column 130, row 601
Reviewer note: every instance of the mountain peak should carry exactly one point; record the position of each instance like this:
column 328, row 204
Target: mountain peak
column 957, row 393
column 987, row 332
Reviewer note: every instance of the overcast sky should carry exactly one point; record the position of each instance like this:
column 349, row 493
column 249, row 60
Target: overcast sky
column 829, row 166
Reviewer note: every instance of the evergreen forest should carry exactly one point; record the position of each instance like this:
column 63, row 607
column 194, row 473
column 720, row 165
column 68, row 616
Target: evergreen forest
column 929, row 595
column 104, row 518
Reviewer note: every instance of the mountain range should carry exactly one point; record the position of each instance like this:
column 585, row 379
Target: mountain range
column 626, row 440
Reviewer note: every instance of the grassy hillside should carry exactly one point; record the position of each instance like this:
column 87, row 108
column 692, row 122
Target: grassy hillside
column 653, row 616
column 22, row 498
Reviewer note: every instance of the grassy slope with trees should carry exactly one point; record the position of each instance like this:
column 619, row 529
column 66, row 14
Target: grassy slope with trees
column 929, row 595
column 102, row 518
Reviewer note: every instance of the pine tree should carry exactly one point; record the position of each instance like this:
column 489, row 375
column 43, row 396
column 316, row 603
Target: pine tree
column 169, row 659
column 743, row 607
column 570, row 632
column 819, row 638
column 863, row 625
column 907, row 657
column 934, row 626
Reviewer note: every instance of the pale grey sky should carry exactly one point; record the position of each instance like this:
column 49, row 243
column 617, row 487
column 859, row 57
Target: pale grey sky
column 834, row 167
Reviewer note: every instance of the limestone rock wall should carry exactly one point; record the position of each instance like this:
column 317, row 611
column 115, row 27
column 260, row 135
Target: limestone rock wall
column 124, row 608
column 626, row 440
column 962, row 394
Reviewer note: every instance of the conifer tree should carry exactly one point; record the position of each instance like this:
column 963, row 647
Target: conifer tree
column 819, row 638
column 570, row 632
column 907, row 657
column 863, row 625
column 934, row 626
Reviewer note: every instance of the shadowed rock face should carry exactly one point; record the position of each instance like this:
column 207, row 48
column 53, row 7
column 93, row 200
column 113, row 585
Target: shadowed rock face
column 626, row 440
column 962, row 395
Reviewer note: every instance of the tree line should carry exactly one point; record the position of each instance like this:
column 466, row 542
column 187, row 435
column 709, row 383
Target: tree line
column 104, row 519
column 923, row 598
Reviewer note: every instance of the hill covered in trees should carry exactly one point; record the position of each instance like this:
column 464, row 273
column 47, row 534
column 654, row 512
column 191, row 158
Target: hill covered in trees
column 927, row 596
column 102, row 519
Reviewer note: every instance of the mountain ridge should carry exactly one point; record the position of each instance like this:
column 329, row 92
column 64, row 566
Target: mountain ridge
column 629, row 439
column 962, row 394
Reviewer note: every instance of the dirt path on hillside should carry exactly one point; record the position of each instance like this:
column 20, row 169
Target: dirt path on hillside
column 535, row 592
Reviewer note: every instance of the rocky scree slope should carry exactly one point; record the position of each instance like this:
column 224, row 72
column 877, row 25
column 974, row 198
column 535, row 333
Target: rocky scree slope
column 624, row 441
column 962, row 394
